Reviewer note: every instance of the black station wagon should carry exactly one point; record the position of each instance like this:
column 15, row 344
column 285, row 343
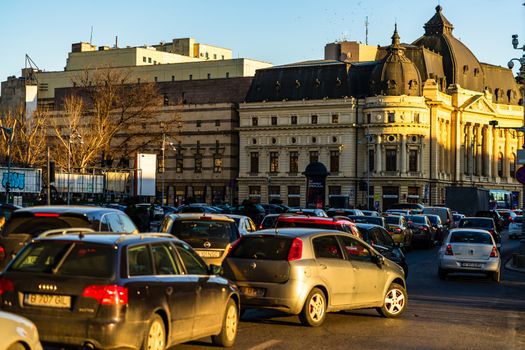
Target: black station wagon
column 96, row 290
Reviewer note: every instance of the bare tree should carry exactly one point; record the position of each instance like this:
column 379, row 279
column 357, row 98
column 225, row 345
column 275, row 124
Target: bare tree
column 29, row 137
column 107, row 115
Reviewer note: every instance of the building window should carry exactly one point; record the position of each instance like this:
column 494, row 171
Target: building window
column 391, row 118
column 274, row 162
column 314, row 119
column 274, row 120
column 412, row 160
column 191, row 76
column 371, row 160
column 293, row 120
column 166, row 100
column 138, row 80
column 368, row 118
column 222, row 57
column 254, row 162
column 179, row 163
column 255, row 194
column 314, row 156
column 217, row 122
column 227, row 74
column 294, row 162
column 149, row 59
column 500, row 164
column 294, row 196
column 144, row 59
column 198, row 123
column 416, row 118
column 334, row 161
column 335, row 119
column 172, row 78
column 391, row 160
column 198, row 163
column 255, row 121
column 512, row 166
column 274, row 192
column 156, row 79
column 214, row 56
column 314, row 139
column 413, row 195
column 217, row 164
column 209, row 76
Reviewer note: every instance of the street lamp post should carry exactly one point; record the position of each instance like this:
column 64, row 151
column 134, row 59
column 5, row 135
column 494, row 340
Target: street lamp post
column 368, row 167
column 8, row 182
column 74, row 135
column 163, row 156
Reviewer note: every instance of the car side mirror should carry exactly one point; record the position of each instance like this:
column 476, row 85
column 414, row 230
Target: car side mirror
column 379, row 260
column 216, row 270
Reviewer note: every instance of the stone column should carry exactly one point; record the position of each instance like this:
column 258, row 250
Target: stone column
column 479, row 153
column 379, row 152
column 488, row 152
column 494, row 152
column 403, row 155
column 469, row 150
column 506, row 155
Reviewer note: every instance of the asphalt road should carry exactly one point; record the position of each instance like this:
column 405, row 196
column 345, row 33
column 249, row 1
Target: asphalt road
column 461, row 312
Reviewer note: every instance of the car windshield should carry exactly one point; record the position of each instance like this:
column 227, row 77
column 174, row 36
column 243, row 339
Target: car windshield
column 262, row 248
column 66, row 259
column 394, row 220
column 470, row 237
column 481, row 223
column 417, row 219
column 184, row 229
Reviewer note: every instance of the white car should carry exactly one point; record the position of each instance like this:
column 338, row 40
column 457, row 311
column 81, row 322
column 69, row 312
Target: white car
column 469, row 251
column 515, row 227
column 17, row 333
column 244, row 223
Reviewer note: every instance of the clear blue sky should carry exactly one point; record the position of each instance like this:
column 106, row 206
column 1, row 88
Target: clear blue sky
column 280, row 32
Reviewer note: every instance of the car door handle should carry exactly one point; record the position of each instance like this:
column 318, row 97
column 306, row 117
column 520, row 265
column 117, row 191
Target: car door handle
column 169, row 290
column 323, row 266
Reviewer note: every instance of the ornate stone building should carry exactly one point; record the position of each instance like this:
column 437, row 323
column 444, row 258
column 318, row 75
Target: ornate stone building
column 403, row 126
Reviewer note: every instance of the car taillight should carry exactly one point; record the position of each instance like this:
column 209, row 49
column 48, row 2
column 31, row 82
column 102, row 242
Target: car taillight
column 397, row 230
column 6, row 285
column 491, row 232
column 107, row 294
column 2, row 253
column 296, row 250
column 233, row 245
column 424, row 228
column 448, row 251
column 494, row 252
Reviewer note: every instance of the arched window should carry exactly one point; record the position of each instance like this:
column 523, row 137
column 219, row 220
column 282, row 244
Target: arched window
column 500, row 164
column 512, row 165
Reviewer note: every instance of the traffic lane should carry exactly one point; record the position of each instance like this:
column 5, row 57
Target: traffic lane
column 425, row 325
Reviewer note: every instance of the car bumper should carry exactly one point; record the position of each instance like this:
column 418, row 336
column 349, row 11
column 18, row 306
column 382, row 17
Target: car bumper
column 458, row 265
column 288, row 297
column 105, row 334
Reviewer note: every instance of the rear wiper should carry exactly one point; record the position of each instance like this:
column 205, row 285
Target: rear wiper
column 55, row 269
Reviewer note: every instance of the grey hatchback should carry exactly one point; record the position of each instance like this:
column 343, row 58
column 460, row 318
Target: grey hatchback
column 309, row 272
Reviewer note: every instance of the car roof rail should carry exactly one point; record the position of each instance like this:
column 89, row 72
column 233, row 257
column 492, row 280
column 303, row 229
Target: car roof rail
column 158, row 234
column 66, row 231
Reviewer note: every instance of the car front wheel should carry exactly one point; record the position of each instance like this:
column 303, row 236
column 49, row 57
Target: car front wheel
column 314, row 309
column 395, row 301
column 226, row 337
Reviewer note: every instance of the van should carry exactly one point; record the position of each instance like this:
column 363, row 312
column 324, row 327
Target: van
column 444, row 213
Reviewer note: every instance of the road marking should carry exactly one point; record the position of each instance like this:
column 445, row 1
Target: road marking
column 265, row 345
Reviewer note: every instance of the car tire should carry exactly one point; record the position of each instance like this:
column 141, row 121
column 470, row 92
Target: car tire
column 313, row 313
column 155, row 337
column 496, row 276
column 16, row 346
column 230, row 322
column 442, row 273
column 394, row 302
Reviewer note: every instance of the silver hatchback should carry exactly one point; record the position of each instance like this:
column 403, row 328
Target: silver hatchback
column 469, row 251
column 309, row 272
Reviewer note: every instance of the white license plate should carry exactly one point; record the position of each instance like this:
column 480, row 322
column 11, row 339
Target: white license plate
column 466, row 264
column 252, row 292
column 58, row 301
column 209, row 253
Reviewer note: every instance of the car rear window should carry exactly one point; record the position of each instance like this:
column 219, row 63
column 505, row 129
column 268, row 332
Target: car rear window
column 518, row 219
column 34, row 226
column 481, row 223
column 67, row 259
column 184, row 229
column 470, row 237
column 392, row 220
column 262, row 248
column 305, row 224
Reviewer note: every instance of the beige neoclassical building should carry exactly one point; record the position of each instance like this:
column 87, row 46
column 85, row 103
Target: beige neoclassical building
column 403, row 121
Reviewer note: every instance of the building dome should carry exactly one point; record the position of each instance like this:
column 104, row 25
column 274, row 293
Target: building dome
column 460, row 65
column 395, row 74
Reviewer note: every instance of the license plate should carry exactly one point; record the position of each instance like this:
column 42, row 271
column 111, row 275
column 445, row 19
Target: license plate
column 466, row 264
column 252, row 292
column 58, row 301
column 209, row 253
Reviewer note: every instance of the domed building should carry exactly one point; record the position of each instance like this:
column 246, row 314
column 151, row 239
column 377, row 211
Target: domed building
column 397, row 123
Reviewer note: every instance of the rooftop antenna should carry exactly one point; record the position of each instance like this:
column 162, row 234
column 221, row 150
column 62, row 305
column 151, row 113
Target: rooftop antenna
column 366, row 30
column 91, row 36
